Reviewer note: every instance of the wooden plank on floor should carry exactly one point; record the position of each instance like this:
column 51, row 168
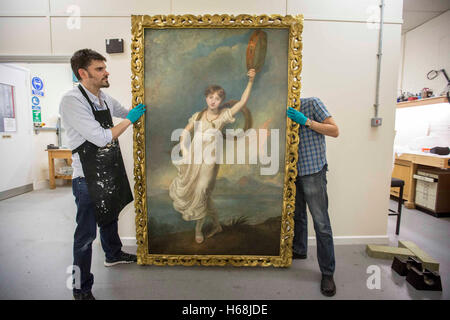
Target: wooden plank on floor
column 385, row 252
column 427, row 261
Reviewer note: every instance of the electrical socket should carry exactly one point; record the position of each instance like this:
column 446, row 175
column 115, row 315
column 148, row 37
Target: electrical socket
column 376, row 122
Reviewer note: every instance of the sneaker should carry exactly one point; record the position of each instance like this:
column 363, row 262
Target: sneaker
column 83, row 296
column 298, row 256
column 121, row 258
column 327, row 286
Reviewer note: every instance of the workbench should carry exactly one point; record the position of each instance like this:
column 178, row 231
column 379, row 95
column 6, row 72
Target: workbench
column 406, row 165
column 57, row 154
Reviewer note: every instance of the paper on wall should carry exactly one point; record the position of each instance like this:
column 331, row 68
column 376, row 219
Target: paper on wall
column 9, row 124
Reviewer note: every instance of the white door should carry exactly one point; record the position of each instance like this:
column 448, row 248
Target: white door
column 16, row 156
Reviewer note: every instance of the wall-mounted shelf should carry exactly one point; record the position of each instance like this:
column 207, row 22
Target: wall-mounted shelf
column 422, row 102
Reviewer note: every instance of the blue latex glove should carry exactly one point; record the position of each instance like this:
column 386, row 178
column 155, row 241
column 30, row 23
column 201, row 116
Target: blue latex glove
column 136, row 113
column 297, row 116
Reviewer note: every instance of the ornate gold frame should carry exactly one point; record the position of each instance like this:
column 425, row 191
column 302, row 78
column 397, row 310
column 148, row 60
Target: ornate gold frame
column 295, row 26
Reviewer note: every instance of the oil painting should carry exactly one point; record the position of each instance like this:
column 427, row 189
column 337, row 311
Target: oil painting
column 215, row 156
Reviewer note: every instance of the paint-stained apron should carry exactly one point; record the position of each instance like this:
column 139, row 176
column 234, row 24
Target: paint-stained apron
column 104, row 172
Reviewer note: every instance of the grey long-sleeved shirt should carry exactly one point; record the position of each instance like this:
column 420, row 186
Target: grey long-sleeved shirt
column 80, row 124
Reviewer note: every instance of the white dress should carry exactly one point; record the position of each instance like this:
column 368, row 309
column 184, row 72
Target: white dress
column 192, row 187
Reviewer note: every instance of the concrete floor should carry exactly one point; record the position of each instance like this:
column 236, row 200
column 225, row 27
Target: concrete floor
column 36, row 231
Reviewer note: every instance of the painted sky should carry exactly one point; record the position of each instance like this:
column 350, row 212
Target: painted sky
column 181, row 63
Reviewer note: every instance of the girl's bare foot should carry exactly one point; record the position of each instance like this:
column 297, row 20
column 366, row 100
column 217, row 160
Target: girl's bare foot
column 199, row 237
column 215, row 230
column 198, row 231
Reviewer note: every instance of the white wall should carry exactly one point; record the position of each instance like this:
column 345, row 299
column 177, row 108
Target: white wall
column 57, row 79
column 401, row 66
column 427, row 48
column 339, row 66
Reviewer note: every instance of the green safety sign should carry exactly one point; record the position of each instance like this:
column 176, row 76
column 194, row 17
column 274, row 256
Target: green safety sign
column 37, row 116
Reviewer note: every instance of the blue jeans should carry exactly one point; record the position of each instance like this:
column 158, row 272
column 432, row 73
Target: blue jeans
column 312, row 191
column 85, row 234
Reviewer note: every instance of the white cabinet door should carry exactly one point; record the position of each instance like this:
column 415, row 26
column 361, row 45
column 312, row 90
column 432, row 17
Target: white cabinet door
column 16, row 156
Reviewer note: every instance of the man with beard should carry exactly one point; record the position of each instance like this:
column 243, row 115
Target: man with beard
column 99, row 182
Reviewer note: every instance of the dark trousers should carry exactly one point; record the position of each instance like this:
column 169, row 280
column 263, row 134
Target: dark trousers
column 312, row 191
column 85, row 234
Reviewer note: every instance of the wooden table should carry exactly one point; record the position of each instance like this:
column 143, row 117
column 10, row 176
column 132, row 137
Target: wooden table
column 57, row 154
column 406, row 166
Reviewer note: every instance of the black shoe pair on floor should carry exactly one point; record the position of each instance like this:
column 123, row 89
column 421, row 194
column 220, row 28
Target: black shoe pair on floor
column 121, row 258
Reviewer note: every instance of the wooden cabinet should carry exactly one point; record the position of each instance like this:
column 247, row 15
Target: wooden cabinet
column 406, row 166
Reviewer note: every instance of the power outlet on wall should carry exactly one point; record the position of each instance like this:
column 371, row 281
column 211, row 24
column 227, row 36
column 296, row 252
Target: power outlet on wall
column 376, row 122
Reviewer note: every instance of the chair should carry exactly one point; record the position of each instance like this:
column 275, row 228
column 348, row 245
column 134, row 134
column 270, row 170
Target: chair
column 398, row 183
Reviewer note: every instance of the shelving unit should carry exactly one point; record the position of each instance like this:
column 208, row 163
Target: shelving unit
column 422, row 102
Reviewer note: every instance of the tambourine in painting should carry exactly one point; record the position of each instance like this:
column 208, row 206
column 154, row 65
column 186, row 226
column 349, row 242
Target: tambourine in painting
column 255, row 56
column 256, row 50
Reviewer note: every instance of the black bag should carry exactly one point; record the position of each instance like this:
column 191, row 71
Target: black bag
column 442, row 151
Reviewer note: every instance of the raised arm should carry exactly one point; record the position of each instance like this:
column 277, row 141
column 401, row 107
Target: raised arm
column 238, row 106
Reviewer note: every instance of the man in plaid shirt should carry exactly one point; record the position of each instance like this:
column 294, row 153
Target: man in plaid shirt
column 311, row 183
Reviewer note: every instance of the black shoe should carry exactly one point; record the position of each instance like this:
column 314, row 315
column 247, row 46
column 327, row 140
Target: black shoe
column 121, row 258
column 298, row 256
column 83, row 296
column 327, row 286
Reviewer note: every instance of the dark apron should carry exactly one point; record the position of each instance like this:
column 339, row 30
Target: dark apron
column 104, row 171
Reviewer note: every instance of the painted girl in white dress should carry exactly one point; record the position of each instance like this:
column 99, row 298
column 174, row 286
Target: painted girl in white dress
column 192, row 187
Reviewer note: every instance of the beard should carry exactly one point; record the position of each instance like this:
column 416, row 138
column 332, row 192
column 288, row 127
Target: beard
column 103, row 83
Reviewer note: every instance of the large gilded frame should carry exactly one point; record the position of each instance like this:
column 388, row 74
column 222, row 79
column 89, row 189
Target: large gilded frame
column 295, row 26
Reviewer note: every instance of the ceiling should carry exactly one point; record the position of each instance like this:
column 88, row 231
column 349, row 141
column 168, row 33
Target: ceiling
column 417, row 12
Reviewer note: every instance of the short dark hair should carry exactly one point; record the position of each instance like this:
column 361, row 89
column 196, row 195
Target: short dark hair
column 214, row 89
column 82, row 59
